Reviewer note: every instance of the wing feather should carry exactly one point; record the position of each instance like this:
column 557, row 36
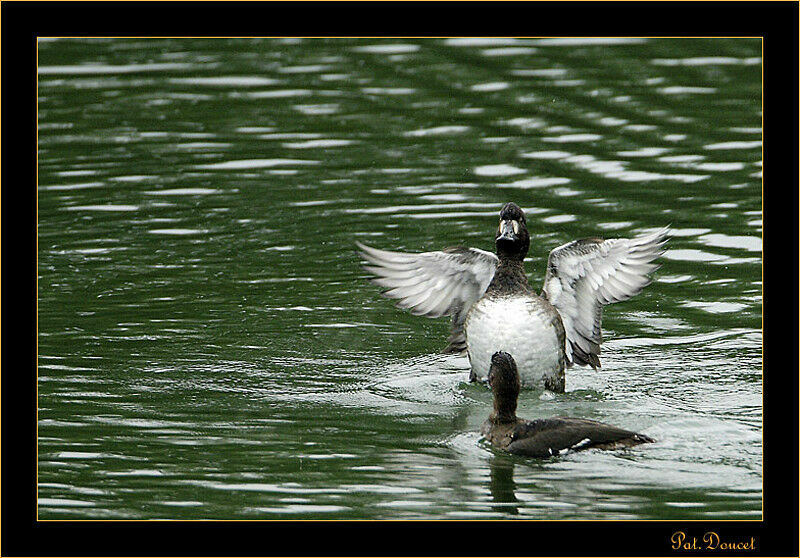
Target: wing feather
column 433, row 284
column 585, row 275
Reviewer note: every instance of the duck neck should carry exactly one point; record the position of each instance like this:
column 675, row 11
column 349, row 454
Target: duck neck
column 505, row 408
column 503, row 416
column 509, row 277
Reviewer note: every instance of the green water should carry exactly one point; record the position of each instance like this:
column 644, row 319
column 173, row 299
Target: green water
column 210, row 348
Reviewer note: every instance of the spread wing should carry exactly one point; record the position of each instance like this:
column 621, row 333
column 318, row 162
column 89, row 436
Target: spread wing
column 433, row 284
column 584, row 275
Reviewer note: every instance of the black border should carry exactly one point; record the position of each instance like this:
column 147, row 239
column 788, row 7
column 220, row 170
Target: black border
column 777, row 535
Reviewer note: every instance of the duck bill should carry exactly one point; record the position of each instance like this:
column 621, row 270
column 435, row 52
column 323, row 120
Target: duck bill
column 507, row 231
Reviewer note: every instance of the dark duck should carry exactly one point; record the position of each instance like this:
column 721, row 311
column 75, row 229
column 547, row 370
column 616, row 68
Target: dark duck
column 542, row 437
column 494, row 308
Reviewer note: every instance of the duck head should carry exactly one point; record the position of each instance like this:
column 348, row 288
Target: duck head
column 512, row 239
column 504, row 381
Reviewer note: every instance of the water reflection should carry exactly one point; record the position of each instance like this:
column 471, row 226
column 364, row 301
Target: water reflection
column 501, row 484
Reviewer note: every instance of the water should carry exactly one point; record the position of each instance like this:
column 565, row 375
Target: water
column 210, row 348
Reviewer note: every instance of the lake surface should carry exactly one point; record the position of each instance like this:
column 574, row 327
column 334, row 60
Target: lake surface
column 209, row 346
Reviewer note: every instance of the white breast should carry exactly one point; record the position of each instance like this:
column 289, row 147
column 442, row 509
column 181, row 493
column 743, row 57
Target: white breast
column 523, row 327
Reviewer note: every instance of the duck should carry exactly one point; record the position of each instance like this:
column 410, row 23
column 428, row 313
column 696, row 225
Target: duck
column 546, row 437
column 493, row 307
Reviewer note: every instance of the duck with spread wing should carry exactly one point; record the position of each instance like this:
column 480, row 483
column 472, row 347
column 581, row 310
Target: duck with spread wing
column 493, row 308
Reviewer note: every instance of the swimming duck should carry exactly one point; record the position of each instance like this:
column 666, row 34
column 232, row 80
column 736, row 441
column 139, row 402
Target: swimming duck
column 493, row 307
column 542, row 437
